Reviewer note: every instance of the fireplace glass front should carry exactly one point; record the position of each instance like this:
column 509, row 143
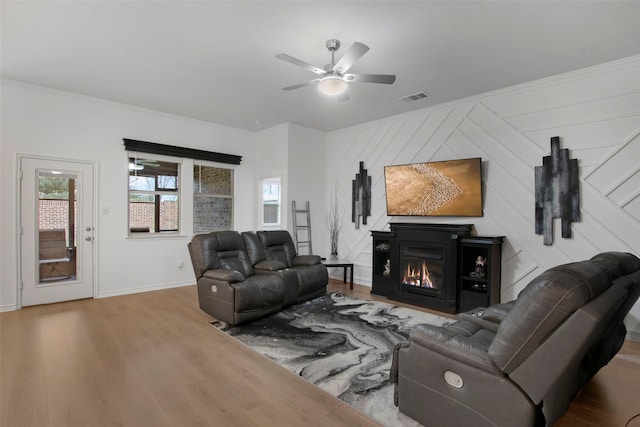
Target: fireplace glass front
column 422, row 269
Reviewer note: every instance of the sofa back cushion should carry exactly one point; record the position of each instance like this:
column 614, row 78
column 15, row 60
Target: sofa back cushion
column 254, row 247
column 202, row 249
column 278, row 246
column 220, row 250
column 542, row 306
column 618, row 263
column 232, row 253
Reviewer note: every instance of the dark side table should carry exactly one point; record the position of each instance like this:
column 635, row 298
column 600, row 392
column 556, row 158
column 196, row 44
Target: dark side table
column 345, row 265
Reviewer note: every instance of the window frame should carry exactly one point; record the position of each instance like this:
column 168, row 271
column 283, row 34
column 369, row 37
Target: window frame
column 157, row 194
column 272, row 180
column 200, row 194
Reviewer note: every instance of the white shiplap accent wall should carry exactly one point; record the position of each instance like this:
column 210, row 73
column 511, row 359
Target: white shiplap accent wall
column 596, row 113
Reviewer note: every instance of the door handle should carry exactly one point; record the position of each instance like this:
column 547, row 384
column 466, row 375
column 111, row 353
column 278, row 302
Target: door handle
column 88, row 238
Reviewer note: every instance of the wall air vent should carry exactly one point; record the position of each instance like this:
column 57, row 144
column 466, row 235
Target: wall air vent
column 415, row 97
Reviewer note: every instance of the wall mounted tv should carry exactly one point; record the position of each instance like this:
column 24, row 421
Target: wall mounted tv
column 445, row 188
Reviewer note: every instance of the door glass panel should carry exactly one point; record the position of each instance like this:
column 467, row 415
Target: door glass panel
column 57, row 213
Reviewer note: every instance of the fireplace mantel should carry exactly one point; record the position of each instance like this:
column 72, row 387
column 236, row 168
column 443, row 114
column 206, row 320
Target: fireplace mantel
column 452, row 229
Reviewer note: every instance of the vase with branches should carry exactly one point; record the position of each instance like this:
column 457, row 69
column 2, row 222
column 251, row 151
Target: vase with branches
column 334, row 222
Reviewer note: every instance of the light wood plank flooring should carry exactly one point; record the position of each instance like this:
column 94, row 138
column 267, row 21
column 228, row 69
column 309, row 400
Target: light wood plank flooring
column 152, row 359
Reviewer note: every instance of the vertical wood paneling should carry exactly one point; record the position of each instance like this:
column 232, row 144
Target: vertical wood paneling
column 596, row 113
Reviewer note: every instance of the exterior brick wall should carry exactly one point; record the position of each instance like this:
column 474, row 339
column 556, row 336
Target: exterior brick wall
column 55, row 214
column 142, row 215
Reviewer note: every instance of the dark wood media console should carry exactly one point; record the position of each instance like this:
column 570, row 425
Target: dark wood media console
column 438, row 266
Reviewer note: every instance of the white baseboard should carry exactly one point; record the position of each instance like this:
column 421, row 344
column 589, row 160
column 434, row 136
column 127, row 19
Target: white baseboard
column 136, row 290
column 14, row 307
column 8, row 307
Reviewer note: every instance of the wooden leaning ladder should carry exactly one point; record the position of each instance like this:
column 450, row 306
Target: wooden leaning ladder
column 302, row 231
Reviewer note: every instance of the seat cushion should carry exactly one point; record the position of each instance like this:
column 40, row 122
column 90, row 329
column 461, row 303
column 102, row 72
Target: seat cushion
column 311, row 279
column 257, row 292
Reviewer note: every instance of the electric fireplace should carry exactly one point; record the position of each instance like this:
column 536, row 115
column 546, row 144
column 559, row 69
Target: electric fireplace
column 424, row 264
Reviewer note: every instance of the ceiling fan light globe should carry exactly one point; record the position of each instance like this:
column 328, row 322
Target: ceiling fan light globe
column 332, row 85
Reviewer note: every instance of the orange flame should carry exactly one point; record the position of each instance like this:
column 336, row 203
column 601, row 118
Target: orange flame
column 418, row 276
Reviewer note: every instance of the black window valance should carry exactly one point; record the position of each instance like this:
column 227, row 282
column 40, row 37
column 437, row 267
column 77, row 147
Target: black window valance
column 171, row 150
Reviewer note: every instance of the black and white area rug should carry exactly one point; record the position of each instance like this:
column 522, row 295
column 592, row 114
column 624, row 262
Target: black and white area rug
column 342, row 344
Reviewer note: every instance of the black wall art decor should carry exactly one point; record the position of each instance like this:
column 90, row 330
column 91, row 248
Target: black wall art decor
column 361, row 197
column 557, row 192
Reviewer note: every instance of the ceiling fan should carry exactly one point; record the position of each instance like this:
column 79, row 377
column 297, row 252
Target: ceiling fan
column 334, row 77
column 139, row 164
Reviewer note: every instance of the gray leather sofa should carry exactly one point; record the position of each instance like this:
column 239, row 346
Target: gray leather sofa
column 274, row 250
column 519, row 363
column 236, row 287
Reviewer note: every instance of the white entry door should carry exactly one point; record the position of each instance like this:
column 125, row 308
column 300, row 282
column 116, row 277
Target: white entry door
column 57, row 230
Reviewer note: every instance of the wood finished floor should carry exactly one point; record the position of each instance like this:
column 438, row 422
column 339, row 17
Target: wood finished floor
column 152, row 359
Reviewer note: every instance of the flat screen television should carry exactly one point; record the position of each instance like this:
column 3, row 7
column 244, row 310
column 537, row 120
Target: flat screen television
column 445, row 188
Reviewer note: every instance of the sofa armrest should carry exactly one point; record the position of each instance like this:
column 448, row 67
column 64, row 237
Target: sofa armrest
column 302, row 260
column 495, row 313
column 269, row 265
column 230, row 276
column 393, row 373
column 558, row 358
column 476, row 317
column 435, row 388
column 464, row 341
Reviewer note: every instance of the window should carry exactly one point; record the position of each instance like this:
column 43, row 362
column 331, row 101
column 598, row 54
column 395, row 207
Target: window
column 153, row 196
column 271, row 201
column 212, row 198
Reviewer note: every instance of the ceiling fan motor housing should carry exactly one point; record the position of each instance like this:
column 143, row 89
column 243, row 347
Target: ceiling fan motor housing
column 333, row 44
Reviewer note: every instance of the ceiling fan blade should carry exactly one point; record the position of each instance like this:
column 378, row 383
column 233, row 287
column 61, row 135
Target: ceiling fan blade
column 299, row 85
column 370, row 78
column 350, row 57
column 299, row 63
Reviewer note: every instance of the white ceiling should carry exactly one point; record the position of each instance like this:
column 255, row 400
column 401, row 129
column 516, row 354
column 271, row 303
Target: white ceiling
column 215, row 60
